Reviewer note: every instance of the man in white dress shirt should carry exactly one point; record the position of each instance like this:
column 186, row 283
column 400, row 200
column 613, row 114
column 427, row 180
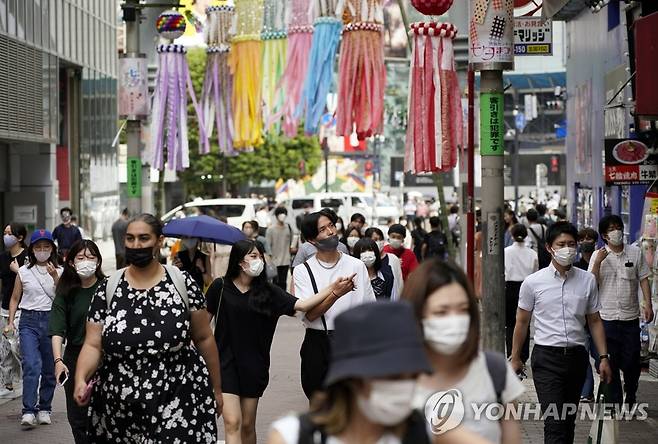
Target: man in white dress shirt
column 561, row 297
column 352, row 287
column 620, row 270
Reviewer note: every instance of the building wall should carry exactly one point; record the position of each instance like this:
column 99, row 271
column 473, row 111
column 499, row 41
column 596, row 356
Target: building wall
column 60, row 89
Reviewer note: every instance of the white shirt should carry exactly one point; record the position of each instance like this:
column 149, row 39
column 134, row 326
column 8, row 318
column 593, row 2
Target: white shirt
column 560, row 305
column 520, row 262
column 38, row 288
column 618, row 283
column 288, row 428
column 346, row 266
column 396, row 267
column 538, row 229
column 477, row 389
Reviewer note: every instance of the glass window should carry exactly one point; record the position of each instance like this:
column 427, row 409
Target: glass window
column 29, row 21
column 87, row 41
column 38, row 25
column 58, row 10
column 3, row 15
column 11, row 17
column 54, row 98
column 68, row 21
column 45, row 97
column 50, row 23
column 20, row 19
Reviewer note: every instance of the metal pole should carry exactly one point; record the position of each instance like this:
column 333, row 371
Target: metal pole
column 131, row 15
column 470, row 187
column 515, row 167
column 493, row 264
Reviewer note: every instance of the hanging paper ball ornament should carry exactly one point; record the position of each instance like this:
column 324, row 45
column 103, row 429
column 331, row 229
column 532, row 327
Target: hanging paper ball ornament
column 170, row 24
column 432, row 7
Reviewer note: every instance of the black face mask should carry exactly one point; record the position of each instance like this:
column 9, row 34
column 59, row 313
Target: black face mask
column 587, row 247
column 328, row 244
column 139, row 257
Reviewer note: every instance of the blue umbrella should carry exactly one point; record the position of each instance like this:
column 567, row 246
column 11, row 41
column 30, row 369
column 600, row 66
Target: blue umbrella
column 206, row 228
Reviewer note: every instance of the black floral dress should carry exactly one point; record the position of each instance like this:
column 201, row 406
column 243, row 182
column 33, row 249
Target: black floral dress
column 154, row 387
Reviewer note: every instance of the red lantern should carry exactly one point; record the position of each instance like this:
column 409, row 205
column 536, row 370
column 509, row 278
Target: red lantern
column 519, row 3
column 432, row 7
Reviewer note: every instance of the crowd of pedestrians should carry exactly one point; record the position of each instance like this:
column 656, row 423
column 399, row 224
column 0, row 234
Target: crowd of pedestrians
column 156, row 353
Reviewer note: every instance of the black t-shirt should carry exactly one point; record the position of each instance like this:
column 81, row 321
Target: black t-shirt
column 7, row 276
column 582, row 264
column 190, row 265
column 244, row 336
column 66, row 237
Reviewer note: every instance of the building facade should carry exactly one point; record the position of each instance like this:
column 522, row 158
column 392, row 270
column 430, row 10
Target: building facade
column 59, row 119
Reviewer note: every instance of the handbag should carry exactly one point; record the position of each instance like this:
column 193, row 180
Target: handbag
column 213, row 321
column 604, row 430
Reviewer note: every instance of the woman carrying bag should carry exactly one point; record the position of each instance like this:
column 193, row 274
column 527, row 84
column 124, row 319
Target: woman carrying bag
column 247, row 309
column 68, row 319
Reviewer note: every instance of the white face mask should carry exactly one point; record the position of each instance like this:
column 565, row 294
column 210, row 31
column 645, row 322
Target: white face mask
column 9, row 240
column 43, row 256
column 281, row 217
column 380, row 245
column 255, row 268
column 368, row 258
column 389, row 402
column 395, row 243
column 351, row 241
column 86, row 268
column 446, row 334
column 616, row 238
column 565, row 256
column 339, row 226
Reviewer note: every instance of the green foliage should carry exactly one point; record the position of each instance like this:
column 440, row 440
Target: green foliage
column 277, row 158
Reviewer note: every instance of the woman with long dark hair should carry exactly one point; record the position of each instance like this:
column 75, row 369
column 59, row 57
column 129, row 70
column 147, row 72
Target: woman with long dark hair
column 150, row 351
column 11, row 259
column 75, row 290
column 351, row 236
column 247, row 308
column 34, row 292
column 510, row 220
column 381, row 274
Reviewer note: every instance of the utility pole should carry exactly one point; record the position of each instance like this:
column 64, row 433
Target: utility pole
column 491, row 50
column 136, row 176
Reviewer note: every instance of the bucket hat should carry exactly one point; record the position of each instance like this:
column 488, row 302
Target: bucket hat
column 41, row 235
column 377, row 340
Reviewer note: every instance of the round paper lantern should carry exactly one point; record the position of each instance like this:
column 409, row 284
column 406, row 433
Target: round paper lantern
column 170, row 24
column 432, row 7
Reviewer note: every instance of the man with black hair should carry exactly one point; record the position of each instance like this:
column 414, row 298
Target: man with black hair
column 358, row 221
column 279, row 238
column 65, row 234
column 352, row 287
column 561, row 298
column 119, row 228
column 408, row 261
column 435, row 241
column 619, row 270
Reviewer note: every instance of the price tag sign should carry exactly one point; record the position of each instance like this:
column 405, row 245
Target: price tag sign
column 134, row 177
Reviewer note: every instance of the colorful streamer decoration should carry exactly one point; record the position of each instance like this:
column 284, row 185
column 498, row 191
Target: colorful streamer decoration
column 217, row 94
column 362, row 73
column 435, row 128
column 169, row 114
column 326, row 35
column 275, row 45
column 300, row 39
column 246, row 63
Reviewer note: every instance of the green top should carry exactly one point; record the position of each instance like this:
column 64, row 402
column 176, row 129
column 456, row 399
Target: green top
column 68, row 316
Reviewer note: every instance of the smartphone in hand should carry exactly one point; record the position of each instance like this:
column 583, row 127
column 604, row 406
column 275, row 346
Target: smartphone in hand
column 63, row 377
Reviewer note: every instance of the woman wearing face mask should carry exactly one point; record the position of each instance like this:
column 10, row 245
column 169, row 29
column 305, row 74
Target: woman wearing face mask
column 75, row 289
column 340, row 226
column 378, row 354
column 247, row 308
column 389, row 259
column 153, row 385
column 351, row 236
column 33, row 294
column 447, row 309
column 250, row 229
column 11, row 260
column 381, row 275
column 191, row 259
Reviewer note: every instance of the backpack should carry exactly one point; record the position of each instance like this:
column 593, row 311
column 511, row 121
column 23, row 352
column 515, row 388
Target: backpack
column 174, row 273
column 416, row 432
column 497, row 367
column 436, row 244
column 542, row 253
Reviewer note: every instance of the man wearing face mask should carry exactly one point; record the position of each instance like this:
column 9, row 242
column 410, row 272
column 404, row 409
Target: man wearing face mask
column 327, row 266
column 191, row 259
column 561, row 298
column 65, row 234
column 619, row 270
column 279, row 238
column 396, row 235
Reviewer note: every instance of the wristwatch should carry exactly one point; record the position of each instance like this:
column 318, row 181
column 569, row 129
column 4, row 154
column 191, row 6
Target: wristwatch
column 604, row 356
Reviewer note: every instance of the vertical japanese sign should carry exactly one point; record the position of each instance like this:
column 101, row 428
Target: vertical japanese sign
column 492, row 133
column 134, row 182
column 491, row 34
column 133, row 88
column 533, row 36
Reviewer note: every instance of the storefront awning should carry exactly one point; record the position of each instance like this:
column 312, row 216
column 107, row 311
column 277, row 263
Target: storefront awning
column 563, row 9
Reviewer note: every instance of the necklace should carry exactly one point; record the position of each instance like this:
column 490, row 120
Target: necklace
column 331, row 266
column 38, row 267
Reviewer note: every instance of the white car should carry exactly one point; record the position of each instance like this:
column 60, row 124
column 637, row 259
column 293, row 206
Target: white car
column 236, row 211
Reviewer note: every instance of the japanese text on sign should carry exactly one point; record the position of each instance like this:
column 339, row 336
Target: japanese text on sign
column 493, row 238
column 533, row 36
column 134, row 177
column 492, row 133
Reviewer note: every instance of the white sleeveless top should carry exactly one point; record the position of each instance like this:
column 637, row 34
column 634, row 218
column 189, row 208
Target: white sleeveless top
column 38, row 288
